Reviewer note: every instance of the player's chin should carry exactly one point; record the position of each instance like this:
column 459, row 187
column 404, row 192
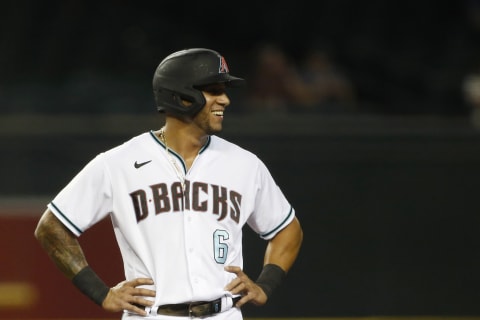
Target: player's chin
column 216, row 124
column 215, row 130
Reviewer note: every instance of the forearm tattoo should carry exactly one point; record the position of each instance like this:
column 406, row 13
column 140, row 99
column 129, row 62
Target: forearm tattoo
column 61, row 245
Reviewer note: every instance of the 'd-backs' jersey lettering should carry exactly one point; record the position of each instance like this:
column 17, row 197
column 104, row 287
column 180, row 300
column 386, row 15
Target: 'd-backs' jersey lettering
column 172, row 199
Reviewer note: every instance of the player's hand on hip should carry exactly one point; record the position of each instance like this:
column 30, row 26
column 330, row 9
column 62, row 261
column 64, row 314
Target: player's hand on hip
column 127, row 296
column 245, row 286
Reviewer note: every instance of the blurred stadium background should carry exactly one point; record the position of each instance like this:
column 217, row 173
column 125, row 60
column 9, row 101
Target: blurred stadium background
column 387, row 191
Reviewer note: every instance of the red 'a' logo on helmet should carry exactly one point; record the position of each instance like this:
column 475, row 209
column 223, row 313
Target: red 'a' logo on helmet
column 223, row 66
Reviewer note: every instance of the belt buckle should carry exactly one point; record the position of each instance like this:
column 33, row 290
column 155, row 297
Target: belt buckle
column 194, row 312
column 201, row 309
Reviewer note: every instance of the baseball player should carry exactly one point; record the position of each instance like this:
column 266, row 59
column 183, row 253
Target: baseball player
column 178, row 198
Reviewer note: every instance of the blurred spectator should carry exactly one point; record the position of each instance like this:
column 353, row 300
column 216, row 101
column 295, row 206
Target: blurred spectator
column 330, row 89
column 313, row 85
column 275, row 84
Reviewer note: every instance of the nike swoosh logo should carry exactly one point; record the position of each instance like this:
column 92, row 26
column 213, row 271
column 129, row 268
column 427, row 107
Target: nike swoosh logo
column 141, row 164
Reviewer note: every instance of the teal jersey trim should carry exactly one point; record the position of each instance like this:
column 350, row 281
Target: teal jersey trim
column 280, row 225
column 205, row 146
column 68, row 220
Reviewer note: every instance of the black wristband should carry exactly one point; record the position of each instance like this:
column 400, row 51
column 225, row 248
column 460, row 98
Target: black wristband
column 270, row 278
column 91, row 285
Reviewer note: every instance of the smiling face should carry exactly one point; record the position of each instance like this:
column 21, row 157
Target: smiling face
column 210, row 117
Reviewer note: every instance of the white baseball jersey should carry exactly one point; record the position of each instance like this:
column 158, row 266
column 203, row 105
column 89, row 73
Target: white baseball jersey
column 180, row 239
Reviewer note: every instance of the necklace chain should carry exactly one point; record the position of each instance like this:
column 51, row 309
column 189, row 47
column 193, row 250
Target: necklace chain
column 178, row 170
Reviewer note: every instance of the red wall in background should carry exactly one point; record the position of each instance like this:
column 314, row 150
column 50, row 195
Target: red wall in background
column 24, row 261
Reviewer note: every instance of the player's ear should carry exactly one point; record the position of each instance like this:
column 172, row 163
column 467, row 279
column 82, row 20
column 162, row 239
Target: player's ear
column 186, row 103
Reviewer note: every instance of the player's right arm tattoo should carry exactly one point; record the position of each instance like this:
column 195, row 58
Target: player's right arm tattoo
column 61, row 245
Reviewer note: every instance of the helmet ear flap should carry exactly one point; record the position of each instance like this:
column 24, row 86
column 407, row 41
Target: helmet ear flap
column 175, row 102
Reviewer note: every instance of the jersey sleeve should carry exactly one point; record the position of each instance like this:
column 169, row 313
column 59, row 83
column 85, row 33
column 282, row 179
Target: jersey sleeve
column 86, row 199
column 273, row 211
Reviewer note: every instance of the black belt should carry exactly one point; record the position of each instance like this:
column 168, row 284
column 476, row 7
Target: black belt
column 193, row 309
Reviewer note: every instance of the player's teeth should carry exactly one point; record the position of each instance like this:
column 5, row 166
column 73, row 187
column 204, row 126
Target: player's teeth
column 218, row 113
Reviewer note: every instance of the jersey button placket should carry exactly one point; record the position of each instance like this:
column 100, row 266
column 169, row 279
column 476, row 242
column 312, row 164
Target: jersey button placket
column 189, row 242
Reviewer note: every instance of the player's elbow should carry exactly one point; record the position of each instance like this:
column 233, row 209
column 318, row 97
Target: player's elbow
column 46, row 222
column 297, row 232
column 39, row 232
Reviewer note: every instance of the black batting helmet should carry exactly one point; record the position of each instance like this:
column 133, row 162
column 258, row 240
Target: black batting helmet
column 179, row 76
